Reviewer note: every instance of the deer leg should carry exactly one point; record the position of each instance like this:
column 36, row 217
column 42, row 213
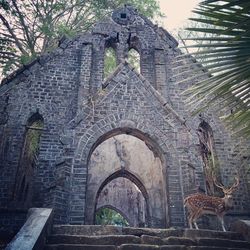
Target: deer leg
column 189, row 217
column 190, row 222
column 222, row 223
column 195, row 224
column 193, row 221
column 196, row 216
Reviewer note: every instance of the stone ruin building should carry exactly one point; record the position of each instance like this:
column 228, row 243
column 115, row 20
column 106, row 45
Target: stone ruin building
column 77, row 141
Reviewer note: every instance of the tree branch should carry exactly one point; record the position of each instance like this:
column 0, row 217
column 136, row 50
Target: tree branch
column 8, row 53
column 18, row 44
column 24, row 27
column 66, row 11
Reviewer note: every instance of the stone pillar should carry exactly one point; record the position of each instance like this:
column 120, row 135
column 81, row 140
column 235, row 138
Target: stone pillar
column 85, row 74
column 160, row 70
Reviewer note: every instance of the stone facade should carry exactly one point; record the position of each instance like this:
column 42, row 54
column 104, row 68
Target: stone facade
column 80, row 111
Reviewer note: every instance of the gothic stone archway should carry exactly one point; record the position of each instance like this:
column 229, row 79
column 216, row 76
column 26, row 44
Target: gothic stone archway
column 145, row 171
column 125, row 193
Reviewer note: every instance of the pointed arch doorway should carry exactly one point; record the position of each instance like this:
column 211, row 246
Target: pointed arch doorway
column 125, row 193
column 126, row 171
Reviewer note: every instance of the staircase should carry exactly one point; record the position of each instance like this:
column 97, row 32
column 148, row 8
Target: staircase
column 89, row 237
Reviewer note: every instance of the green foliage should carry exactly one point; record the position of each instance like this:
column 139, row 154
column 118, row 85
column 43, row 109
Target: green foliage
column 107, row 216
column 64, row 30
column 225, row 54
column 33, row 27
column 109, row 62
column 32, row 139
column 134, row 59
column 4, row 4
column 24, row 59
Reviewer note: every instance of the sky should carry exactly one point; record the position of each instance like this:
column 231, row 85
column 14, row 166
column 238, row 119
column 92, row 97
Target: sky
column 177, row 12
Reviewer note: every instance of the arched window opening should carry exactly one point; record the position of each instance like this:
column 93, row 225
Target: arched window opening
column 110, row 62
column 208, row 154
column 32, row 138
column 134, row 59
column 109, row 216
column 29, row 156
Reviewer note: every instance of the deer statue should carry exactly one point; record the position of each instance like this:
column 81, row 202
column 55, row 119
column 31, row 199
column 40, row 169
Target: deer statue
column 199, row 204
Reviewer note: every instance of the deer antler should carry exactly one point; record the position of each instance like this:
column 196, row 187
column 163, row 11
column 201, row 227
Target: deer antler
column 216, row 183
column 235, row 185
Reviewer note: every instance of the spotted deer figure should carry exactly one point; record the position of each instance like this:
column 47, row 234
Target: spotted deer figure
column 199, row 204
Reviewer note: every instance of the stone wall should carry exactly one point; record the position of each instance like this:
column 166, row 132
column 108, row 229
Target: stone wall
column 11, row 221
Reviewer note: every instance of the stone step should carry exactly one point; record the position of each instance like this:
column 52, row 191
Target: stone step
column 194, row 234
column 172, row 240
column 95, row 230
column 86, row 230
column 222, row 243
column 173, row 247
column 79, row 247
column 89, row 237
column 112, row 247
column 179, row 241
column 130, row 246
column 151, row 241
column 150, row 247
column 119, row 240
column 94, row 240
column 216, row 242
column 213, row 248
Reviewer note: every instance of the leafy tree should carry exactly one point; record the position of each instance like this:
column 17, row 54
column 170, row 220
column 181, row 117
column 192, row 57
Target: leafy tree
column 31, row 27
column 225, row 53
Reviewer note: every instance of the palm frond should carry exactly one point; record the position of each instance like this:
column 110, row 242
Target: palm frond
column 224, row 49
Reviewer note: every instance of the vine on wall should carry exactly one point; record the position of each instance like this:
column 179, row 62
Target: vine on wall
column 211, row 164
